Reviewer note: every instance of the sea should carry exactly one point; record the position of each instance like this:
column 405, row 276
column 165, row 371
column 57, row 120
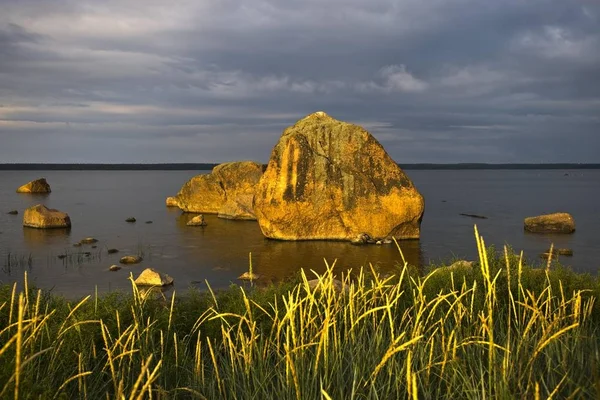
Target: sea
column 99, row 202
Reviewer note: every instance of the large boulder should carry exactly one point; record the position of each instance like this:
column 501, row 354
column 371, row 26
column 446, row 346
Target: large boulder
column 40, row 216
column 227, row 191
column 328, row 179
column 36, row 186
column 550, row 223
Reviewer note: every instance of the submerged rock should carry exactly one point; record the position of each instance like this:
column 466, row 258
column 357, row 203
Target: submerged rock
column 130, row 260
column 112, row 251
column 227, row 191
column 328, row 179
column 550, row 223
column 40, row 216
column 151, row 277
column 130, row 219
column 198, row 220
column 13, row 212
column 88, row 240
column 36, row 186
column 114, row 268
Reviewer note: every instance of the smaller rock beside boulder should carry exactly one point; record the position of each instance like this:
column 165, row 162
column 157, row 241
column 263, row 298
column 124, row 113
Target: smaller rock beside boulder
column 172, row 201
column 151, row 277
column 550, row 223
column 42, row 217
column 13, row 212
column 198, row 220
column 360, row 239
column 36, row 186
column 130, row 260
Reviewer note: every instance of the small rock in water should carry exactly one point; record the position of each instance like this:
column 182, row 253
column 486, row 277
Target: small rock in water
column 94, row 247
column 198, row 220
column 76, row 244
column 13, row 212
column 88, row 240
column 114, row 268
column 387, row 241
column 249, row 276
column 61, row 256
column 151, row 277
column 473, row 216
column 130, row 219
column 87, row 253
column 130, row 260
column 148, row 222
column 112, row 251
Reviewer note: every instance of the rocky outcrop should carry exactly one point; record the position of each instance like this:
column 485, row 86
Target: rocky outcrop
column 171, row 201
column 151, row 277
column 550, row 223
column 328, row 179
column 36, row 186
column 40, row 216
column 227, row 191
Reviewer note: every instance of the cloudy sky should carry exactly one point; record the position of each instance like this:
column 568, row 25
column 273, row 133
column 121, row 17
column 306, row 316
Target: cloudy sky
column 218, row 80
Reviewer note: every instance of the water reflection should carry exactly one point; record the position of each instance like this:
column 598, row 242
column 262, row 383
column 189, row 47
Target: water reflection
column 224, row 247
column 39, row 238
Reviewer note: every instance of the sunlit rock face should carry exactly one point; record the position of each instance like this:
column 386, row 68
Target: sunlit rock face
column 328, row 179
column 36, row 186
column 42, row 217
column 227, row 191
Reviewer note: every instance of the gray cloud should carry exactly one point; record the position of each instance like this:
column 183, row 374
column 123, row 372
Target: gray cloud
column 202, row 81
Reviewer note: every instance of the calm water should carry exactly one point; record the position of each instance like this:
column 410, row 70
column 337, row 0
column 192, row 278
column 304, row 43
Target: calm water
column 98, row 203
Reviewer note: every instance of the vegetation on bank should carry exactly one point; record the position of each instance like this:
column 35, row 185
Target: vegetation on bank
column 498, row 329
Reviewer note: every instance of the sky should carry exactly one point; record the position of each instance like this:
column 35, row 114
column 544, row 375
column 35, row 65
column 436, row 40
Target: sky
column 435, row 81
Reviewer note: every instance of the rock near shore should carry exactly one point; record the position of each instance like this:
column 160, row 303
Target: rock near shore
column 151, row 277
column 227, row 191
column 550, row 223
column 328, row 179
column 36, row 186
column 42, row 217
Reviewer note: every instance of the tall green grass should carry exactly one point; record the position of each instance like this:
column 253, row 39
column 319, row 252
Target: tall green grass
column 498, row 329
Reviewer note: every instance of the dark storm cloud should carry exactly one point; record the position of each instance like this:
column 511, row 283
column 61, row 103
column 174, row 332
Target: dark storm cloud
column 199, row 81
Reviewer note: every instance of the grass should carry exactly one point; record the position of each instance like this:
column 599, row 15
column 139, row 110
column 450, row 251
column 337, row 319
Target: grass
column 498, row 329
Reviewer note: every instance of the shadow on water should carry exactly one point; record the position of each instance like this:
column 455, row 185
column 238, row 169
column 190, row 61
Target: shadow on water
column 223, row 247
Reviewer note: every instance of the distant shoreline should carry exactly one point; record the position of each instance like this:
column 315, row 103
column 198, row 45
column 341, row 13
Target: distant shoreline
column 210, row 166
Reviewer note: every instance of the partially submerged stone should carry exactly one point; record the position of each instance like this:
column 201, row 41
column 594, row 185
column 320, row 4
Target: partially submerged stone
column 249, row 276
column 13, row 212
column 172, row 201
column 227, row 191
column 151, row 277
column 40, row 216
column 114, row 268
column 88, row 240
column 130, row 260
column 198, row 220
column 112, row 251
column 130, row 219
column 328, row 179
column 550, row 223
column 35, row 186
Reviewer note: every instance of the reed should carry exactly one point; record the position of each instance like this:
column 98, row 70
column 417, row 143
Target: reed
column 499, row 329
